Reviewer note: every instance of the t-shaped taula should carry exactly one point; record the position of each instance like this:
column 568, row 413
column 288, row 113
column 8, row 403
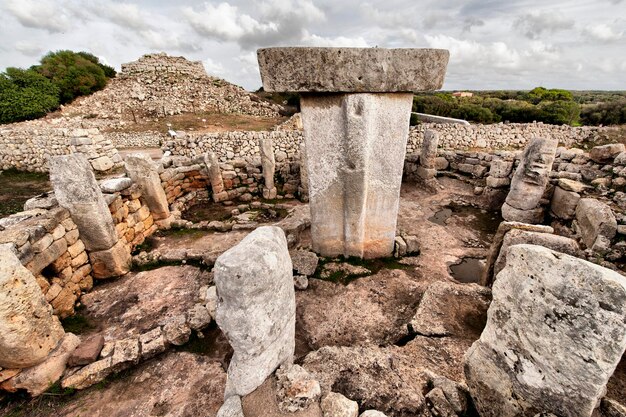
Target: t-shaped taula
column 356, row 106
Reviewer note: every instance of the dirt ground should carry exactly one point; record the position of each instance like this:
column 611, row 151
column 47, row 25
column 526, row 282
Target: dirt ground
column 17, row 187
column 354, row 336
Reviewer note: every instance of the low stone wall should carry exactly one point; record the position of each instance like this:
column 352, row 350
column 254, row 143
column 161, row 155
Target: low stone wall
column 232, row 145
column 135, row 139
column 29, row 149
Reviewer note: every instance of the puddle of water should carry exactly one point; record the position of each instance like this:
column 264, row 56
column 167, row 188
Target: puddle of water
column 441, row 217
column 484, row 221
column 468, row 270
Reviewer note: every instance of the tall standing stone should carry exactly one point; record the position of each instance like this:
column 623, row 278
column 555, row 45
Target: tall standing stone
column 268, row 163
column 428, row 155
column 77, row 190
column 142, row 170
column 215, row 177
column 304, row 173
column 529, row 182
column 28, row 329
column 256, row 307
column 556, row 330
column 355, row 131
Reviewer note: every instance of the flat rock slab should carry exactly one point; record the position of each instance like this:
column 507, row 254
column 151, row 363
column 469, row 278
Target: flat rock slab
column 373, row 309
column 554, row 318
column 263, row 402
column 141, row 301
column 177, row 384
column 352, row 70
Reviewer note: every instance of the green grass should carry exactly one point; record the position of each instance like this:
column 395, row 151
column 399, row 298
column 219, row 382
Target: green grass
column 78, row 324
column 16, row 187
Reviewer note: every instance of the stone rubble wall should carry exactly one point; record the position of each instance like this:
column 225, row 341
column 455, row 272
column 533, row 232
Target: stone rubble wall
column 123, row 140
column 162, row 63
column 231, row 145
column 48, row 244
column 29, row 149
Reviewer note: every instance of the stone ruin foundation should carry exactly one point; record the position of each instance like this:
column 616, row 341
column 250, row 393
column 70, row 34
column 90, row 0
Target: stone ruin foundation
column 540, row 332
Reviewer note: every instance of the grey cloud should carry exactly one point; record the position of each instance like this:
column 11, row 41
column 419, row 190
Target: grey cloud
column 44, row 14
column 533, row 25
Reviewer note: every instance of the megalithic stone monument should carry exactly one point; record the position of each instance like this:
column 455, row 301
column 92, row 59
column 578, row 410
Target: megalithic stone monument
column 356, row 105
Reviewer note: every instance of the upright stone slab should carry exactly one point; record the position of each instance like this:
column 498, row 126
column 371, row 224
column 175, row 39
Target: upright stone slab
column 556, row 330
column 428, row 155
column 215, row 177
column 256, row 307
column 596, row 222
column 529, row 182
column 268, row 163
column 77, row 190
column 142, row 170
column 28, row 329
column 355, row 132
column 304, row 173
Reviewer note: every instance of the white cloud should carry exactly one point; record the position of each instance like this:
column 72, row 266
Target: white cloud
column 39, row 14
column 494, row 54
column 214, row 68
column 339, row 41
column 603, row 32
column 28, row 48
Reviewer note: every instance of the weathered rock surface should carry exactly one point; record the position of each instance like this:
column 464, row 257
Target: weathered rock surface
column 264, row 402
column 142, row 170
column 553, row 318
column 360, row 312
column 231, row 407
column 297, row 389
column 77, row 190
column 139, row 302
column 564, row 203
column 304, row 262
column 355, row 146
column 452, row 309
column 529, row 182
column 606, row 153
column 268, row 163
column 87, row 352
column 356, row 70
column 28, row 329
column 548, row 240
column 112, row 262
column 256, row 307
column 37, row 379
column 336, row 405
column 595, row 219
column 179, row 384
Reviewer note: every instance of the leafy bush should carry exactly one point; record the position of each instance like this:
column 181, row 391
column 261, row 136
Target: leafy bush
column 74, row 73
column 612, row 113
column 25, row 94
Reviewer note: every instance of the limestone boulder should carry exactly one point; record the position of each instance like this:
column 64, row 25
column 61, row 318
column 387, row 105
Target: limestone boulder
column 144, row 172
column 256, row 307
column 548, row 240
column 356, row 70
column 564, row 203
column 37, row 379
column 77, row 190
column 28, row 329
column 112, row 262
column 554, row 318
column 606, row 153
column 336, row 405
column 595, row 219
column 231, row 407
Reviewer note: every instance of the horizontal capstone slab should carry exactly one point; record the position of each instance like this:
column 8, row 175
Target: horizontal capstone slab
column 352, row 70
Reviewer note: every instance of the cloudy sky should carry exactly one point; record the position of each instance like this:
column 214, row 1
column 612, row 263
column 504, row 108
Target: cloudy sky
column 494, row 44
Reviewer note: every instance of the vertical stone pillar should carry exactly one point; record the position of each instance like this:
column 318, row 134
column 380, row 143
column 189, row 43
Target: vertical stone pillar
column 529, row 182
column 28, row 329
column 256, row 307
column 215, row 177
column 356, row 105
column 142, row 170
column 268, row 163
column 428, row 155
column 304, row 173
column 77, row 190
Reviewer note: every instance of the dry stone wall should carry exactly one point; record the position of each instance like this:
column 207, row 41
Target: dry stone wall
column 29, row 149
column 162, row 63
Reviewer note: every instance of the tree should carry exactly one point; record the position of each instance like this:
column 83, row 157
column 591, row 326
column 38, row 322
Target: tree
column 560, row 112
column 75, row 74
column 25, row 94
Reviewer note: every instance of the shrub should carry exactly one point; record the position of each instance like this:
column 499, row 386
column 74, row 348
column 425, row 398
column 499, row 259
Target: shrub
column 25, row 94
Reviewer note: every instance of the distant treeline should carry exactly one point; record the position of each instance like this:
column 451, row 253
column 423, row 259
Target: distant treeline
column 553, row 106
column 59, row 78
